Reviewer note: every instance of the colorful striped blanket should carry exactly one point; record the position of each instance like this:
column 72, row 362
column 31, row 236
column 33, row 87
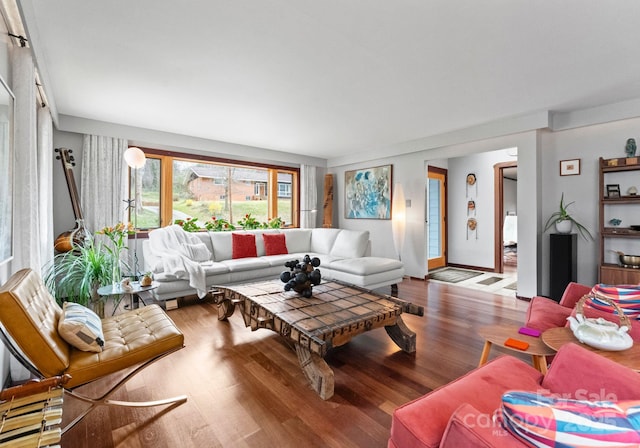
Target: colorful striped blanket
column 627, row 297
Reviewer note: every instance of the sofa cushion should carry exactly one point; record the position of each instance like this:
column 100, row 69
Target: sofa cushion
column 350, row 244
column 470, row 428
column 243, row 245
column 322, row 240
column 298, row 240
column 197, row 252
column 260, row 249
column 364, row 266
column 544, row 313
column 222, row 247
column 255, row 264
column 620, row 382
column 274, row 243
column 81, row 327
column 551, row 421
column 422, row 422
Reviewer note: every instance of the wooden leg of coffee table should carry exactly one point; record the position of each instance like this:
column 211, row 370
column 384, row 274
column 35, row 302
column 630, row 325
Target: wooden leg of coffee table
column 226, row 308
column 317, row 372
column 485, row 353
column 402, row 335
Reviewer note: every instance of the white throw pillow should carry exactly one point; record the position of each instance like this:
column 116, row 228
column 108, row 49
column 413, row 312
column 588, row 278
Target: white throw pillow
column 81, row 327
column 350, row 244
column 322, row 240
column 222, row 247
column 298, row 240
column 197, row 252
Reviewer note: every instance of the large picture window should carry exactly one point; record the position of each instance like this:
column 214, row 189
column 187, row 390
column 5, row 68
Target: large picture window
column 178, row 186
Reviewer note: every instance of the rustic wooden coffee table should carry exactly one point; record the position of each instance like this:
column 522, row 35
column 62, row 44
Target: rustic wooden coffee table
column 334, row 314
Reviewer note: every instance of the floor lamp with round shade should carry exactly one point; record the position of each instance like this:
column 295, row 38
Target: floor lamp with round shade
column 135, row 159
column 398, row 218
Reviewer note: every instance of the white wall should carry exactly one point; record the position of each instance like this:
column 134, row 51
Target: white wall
column 467, row 247
column 509, row 196
column 410, row 171
column 588, row 144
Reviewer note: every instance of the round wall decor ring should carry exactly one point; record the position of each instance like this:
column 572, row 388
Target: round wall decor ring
column 471, row 179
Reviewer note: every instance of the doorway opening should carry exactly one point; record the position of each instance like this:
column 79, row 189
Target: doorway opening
column 436, row 217
column 506, row 218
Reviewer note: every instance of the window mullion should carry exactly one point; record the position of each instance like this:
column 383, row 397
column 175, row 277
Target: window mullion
column 272, row 186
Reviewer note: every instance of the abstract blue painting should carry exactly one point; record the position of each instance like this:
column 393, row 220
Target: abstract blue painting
column 368, row 193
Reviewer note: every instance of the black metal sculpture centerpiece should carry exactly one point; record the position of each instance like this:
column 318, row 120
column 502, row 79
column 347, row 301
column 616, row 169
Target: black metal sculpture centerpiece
column 301, row 276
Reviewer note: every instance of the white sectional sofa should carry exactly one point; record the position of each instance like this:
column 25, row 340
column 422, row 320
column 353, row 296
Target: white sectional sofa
column 344, row 256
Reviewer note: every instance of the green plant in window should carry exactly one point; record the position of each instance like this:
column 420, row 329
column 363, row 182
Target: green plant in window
column 249, row 222
column 218, row 225
column 188, row 224
column 274, row 223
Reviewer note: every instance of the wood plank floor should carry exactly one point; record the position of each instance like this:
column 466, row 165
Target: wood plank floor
column 246, row 388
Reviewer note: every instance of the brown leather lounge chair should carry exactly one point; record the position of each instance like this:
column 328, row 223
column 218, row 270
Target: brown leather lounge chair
column 133, row 340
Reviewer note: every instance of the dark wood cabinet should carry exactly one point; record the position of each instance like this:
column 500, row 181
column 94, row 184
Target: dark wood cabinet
column 563, row 268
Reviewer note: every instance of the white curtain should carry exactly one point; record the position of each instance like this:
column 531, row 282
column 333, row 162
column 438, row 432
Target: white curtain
column 33, row 187
column 103, row 186
column 26, row 222
column 45, row 187
column 308, row 196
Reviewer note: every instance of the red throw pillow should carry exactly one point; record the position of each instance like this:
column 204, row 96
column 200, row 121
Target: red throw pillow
column 243, row 245
column 275, row 243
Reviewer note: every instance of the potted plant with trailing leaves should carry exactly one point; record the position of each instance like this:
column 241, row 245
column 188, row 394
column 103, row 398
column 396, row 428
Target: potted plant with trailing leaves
column 564, row 222
column 76, row 275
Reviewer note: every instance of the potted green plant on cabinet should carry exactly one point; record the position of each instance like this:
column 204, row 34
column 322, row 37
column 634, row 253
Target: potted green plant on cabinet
column 564, row 222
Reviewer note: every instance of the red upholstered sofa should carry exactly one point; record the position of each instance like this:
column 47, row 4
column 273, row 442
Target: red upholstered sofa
column 544, row 313
column 460, row 414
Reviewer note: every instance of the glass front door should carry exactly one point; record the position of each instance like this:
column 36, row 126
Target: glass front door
column 436, row 218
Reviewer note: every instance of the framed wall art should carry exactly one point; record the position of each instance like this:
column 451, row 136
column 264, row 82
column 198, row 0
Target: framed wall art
column 368, row 193
column 570, row 167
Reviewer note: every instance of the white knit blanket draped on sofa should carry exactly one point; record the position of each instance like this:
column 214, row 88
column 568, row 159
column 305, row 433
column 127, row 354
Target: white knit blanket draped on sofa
column 182, row 255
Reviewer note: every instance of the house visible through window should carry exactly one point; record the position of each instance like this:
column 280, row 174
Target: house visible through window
column 174, row 187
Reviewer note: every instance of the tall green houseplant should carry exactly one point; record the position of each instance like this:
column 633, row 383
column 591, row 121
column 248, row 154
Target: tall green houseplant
column 75, row 276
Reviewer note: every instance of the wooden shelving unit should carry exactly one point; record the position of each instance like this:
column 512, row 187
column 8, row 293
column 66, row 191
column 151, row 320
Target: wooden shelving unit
column 612, row 273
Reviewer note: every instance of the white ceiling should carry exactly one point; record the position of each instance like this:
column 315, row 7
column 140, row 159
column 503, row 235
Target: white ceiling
column 331, row 77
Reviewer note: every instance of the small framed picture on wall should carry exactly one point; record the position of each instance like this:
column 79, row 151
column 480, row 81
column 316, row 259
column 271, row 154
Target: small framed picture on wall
column 570, row 167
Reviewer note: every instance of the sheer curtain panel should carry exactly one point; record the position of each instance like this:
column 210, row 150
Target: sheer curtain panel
column 308, row 197
column 103, row 185
column 26, row 218
column 45, row 187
